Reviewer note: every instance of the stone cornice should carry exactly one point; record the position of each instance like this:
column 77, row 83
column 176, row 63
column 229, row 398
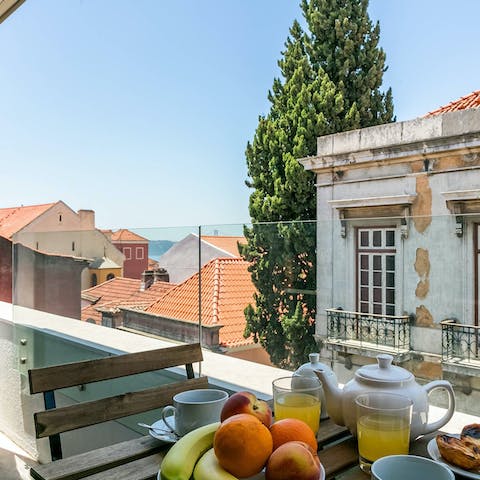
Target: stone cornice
column 394, row 142
column 373, row 201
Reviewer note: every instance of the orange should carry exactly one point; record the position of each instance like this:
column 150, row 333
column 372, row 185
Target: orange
column 242, row 445
column 291, row 429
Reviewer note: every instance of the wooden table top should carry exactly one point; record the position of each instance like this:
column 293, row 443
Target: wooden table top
column 141, row 458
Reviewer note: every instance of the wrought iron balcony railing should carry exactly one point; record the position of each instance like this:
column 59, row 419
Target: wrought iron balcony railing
column 460, row 342
column 384, row 331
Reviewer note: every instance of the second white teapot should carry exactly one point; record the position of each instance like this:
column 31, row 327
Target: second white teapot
column 384, row 377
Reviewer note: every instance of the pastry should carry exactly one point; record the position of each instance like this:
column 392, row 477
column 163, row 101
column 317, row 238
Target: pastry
column 463, row 452
column 472, row 430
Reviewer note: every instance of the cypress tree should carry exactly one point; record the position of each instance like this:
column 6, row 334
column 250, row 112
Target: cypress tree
column 330, row 82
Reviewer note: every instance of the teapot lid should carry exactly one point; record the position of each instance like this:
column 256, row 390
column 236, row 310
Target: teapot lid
column 384, row 371
column 307, row 369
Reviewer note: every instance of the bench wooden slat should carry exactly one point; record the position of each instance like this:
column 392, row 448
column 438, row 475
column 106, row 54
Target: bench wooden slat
column 84, row 414
column 90, row 463
column 143, row 469
column 78, row 373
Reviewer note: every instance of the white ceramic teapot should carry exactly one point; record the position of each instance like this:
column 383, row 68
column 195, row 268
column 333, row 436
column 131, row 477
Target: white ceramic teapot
column 384, row 377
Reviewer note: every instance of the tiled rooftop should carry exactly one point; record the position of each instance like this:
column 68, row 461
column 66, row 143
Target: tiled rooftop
column 227, row 244
column 150, row 295
column 15, row 218
column 152, row 264
column 124, row 235
column 227, row 289
column 121, row 292
column 114, row 290
column 468, row 101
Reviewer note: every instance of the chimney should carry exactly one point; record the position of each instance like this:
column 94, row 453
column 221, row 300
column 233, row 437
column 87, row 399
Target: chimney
column 147, row 280
column 87, row 219
column 160, row 275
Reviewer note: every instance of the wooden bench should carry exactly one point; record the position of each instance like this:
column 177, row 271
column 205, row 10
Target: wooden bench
column 53, row 421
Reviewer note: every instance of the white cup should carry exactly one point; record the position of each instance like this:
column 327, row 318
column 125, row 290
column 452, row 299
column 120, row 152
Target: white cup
column 194, row 408
column 411, row 467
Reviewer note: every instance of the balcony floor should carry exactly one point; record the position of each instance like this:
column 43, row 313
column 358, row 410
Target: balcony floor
column 14, row 462
column 366, row 348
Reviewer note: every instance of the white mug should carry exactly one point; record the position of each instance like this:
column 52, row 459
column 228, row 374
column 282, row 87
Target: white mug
column 194, row 408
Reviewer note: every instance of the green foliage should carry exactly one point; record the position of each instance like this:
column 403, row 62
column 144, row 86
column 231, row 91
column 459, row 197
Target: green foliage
column 330, row 82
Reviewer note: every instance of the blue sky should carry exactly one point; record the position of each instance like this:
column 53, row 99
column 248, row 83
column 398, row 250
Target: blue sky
column 141, row 109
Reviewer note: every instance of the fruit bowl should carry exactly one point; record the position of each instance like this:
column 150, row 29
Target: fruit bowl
column 261, row 475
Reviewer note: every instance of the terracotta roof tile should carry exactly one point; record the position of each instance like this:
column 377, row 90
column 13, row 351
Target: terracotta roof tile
column 114, row 290
column 14, row 219
column 121, row 292
column 227, row 289
column 126, row 236
column 228, row 244
column 150, row 295
column 152, row 264
column 468, row 101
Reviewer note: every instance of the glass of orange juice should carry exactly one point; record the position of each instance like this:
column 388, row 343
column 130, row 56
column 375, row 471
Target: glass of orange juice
column 297, row 398
column 383, row 426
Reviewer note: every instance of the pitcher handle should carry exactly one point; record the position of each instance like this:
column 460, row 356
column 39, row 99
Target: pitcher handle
column 429, row 387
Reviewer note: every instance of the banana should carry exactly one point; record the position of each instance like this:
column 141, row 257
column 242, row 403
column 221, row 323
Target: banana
column 180, row 460
column 208, row 468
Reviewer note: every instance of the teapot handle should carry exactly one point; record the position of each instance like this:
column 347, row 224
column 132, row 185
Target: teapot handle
column 429, row 387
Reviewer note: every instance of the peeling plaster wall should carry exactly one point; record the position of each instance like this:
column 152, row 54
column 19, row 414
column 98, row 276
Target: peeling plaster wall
column 422, row 267
column 422, row 206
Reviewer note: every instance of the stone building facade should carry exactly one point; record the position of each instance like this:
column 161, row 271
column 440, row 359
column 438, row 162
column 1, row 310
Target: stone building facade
column 398, row 240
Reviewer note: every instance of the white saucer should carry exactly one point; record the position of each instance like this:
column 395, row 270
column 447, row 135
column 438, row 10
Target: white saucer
column 164, row 433
column 434, row 453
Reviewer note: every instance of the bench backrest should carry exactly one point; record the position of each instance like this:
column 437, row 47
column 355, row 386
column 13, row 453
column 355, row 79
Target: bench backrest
column 53, row 421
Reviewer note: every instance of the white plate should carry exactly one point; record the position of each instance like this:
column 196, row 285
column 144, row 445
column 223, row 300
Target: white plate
column 160, row 434
column 434, row 453
column 261, row 475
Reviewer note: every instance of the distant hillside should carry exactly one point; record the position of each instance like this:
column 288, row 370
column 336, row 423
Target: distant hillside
column 156, row 248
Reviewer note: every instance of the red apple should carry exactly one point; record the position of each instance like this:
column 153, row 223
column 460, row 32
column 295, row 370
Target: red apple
column 247, row 402
column 293, row 460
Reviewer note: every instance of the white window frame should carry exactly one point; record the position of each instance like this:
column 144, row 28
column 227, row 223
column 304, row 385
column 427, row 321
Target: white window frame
column 370, row 252
column 127, row 251
column 137, row 256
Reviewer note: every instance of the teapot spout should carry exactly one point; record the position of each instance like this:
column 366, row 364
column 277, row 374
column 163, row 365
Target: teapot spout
column 333, row 395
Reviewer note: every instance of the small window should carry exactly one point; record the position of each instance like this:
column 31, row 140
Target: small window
column 60, row 218
column 110, row 276
column 139, row 253
column 94, row 280
column 73, row 246
column 127, row 251
column 107, row 322
column 37, row 246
